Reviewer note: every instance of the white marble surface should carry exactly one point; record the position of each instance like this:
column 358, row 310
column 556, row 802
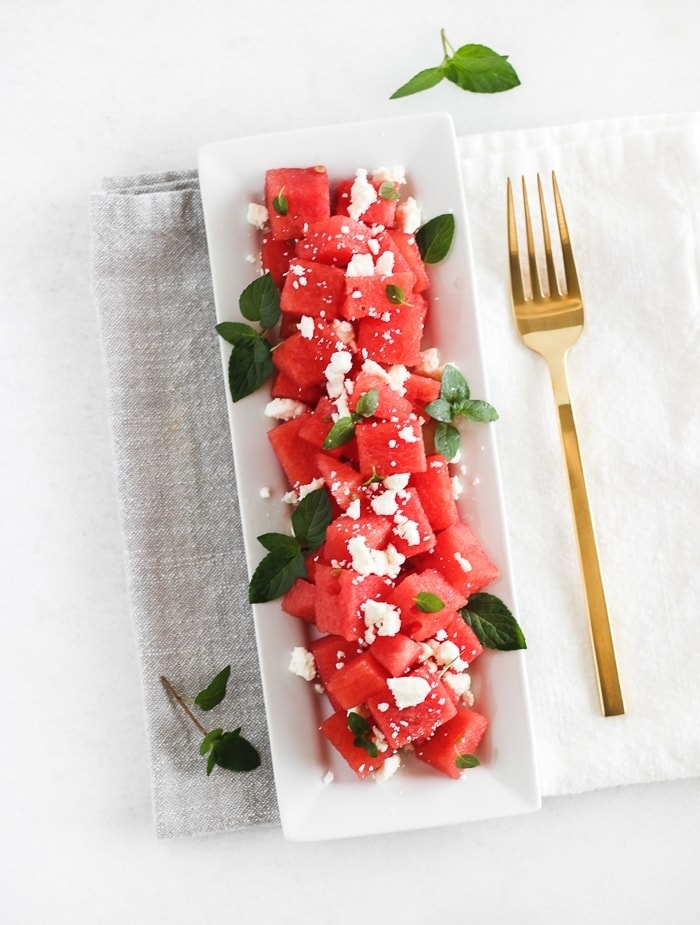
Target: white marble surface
column 104, row 88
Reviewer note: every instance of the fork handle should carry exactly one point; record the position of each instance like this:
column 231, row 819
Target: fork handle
column 606, row 664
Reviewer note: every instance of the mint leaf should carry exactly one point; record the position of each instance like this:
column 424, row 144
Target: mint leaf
column 280, row 203
column 233, row 752
column 276, row 573
column 235, row 331
column 446, row 440
column 481, row 70
column 280, row 543
column 475, row 410
column 367, row 403
column 395, row 294
column 249, row 365
column 214, row 693
column 493, row 623
column 388, row 191
column 260, row 301
column 440, row 410
column 423, row 80
column 340, row 433
column 473, row 67
column 428, row 603
column 209, row 740
column 357, row 724
column 311, row 518
column 434, row 239
column 467, row 761
column 453, row 385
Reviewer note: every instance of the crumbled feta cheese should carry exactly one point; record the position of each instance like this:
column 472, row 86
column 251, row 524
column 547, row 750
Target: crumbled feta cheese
column 407, row 529
column 388, row 768
column 408, row 691
column 360, row 265
column 285, row 409
column 328, row 778
column 306, row 327
column 302, row 663
column 257, row 215
column 408, row 434
column 383, row 562
column 362, row 195
column 385, row 264
column 353, row 509
column 344, row 331
column 398, row 481
column 460, row 683
column 265, row 491
column 464, row 564
column 408, row 217
column 385, row 503
column 428, row 361
column 381, row 617
column 457, row 487
column 395, row 174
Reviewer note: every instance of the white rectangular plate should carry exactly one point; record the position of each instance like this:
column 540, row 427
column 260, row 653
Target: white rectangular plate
column 232, row 176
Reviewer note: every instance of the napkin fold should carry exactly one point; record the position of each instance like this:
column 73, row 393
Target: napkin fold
column 631, row 189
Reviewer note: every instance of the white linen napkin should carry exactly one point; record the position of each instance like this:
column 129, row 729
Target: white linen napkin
column 631, row 191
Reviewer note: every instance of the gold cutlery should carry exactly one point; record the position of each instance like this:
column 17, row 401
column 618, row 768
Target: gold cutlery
column 549, row 317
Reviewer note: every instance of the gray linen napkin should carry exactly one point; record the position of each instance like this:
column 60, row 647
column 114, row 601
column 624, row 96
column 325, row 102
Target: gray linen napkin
column 185, row 561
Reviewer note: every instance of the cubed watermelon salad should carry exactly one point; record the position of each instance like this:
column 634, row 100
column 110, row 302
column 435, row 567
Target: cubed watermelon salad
column 377, row 561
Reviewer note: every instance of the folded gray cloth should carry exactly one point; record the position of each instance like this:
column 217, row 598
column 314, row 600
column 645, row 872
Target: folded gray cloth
column 185, row 560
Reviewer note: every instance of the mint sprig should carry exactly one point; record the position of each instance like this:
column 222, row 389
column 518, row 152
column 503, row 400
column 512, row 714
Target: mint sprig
column 361, row 729
column 455, row 401
column 434, row 238
column 471, row 67
column 493, row 623
column 427, row 602
column 229, row 750
column 467, row 761
column 343, row 430
column 250, row 363
column 285, row 562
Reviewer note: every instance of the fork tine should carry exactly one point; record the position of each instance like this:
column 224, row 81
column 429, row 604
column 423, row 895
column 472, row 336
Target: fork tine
column 552, row 281
column 516, row 275
column 535, row 281
column 570, row 274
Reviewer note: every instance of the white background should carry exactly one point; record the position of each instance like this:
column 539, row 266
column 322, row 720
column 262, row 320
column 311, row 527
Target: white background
column 92, row 89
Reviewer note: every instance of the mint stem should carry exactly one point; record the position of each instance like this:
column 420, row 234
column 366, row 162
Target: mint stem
column 171, row 690
column 447, row 48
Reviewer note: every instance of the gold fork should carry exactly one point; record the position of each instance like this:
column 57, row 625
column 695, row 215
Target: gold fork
column 549, row 319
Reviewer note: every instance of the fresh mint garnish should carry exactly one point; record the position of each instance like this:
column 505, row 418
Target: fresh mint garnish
column 434, row 238
column 388, row 191
column 427, row 602
column 260, row 301
column 467, row 761
column 284, row 562
column 454, row 401
column 395, row 294
column 214, row 693
column 343, row 430
column 226, row 749
column 472, row 67
column 250, row 363
column 361, row 729
column 493, row 623
column 280, row 203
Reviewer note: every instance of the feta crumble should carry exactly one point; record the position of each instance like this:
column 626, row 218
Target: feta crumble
column 257, row 215
column 302, row 663
column 408, row 691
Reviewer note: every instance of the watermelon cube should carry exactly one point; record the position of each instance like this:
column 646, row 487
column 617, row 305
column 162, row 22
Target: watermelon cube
column 380, row 212
column 304, row 360
column 396, row 653
column 340, row 594
column 464, row 637
column 374, row 295
column 389, row 447
column 401, row 725
column 373, row 528
column 334, row 241
column 296, row 197
column 411, row 533
column 434, row 487
column 330, row 654
column 461, row 735
column 420, row 391
column 300, row 600
column 313, row 289
column 295, row 455
column 390, row 403
column 284, row 387
column 395, row 336
column 342, row 480
column 359, row 679
column 408, row 248
column 422, row 624
column 275, row 257
column 461, row 559
column 335, row 729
